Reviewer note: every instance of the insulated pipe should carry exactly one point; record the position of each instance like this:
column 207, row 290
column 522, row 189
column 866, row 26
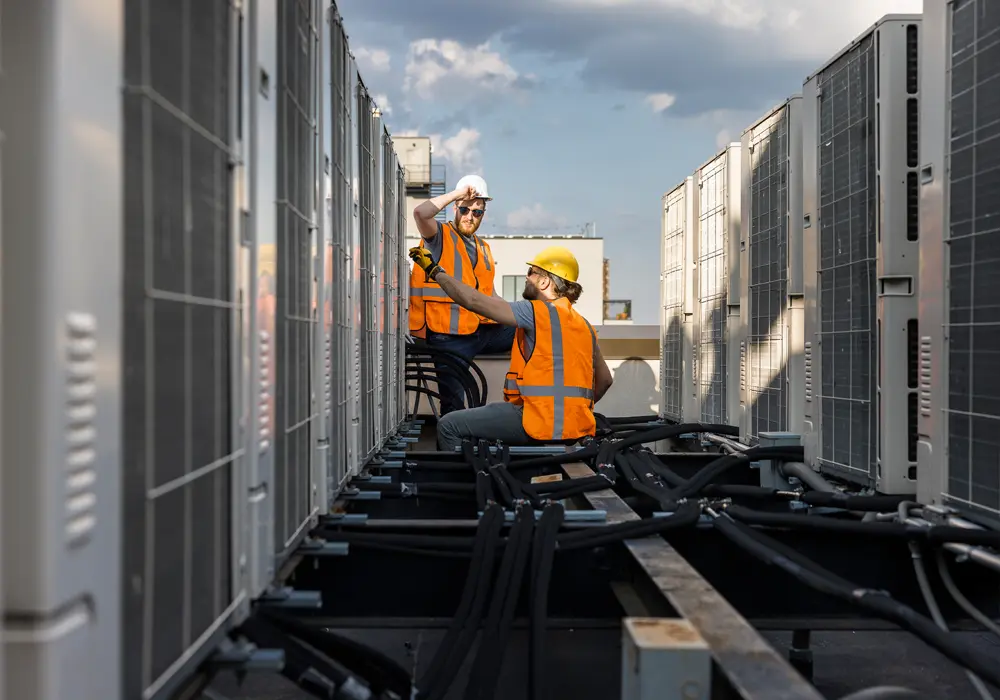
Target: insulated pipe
column 814, row 480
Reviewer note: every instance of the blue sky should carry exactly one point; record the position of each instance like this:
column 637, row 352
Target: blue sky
column 581, row 111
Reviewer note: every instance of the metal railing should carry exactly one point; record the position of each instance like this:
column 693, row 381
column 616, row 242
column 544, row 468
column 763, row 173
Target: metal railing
column 617, row 309
column 424, row 175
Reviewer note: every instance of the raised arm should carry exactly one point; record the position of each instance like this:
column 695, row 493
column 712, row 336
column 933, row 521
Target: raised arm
column 492, row 307
column 424, row 213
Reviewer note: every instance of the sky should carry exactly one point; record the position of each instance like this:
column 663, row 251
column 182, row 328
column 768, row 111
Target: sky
column 586, row 112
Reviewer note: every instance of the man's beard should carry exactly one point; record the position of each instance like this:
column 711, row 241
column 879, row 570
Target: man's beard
column 530, row 291
column 468, row 228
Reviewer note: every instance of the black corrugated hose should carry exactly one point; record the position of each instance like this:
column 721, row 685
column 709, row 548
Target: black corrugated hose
column 314, row 673
column 507, row 590
column 454, row 647
column 381, row 672
column 879, row 603
column 464, row 370
column 542, row 559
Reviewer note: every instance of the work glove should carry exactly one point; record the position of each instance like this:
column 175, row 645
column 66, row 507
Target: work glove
column 422, row 257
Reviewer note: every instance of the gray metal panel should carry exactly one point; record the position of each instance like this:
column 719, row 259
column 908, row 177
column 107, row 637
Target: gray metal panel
column 368, row 154
column 61, row 351
column 971, row 325
column 718, row 286
column 182, row 349
column 358, row 116
column 847, row 211
column 934, row 138
column 295, row 322
column 860, row 361
column 262, row 222
column 771, row 210
column 672, row 296
column 342, row 350
column 320, row 446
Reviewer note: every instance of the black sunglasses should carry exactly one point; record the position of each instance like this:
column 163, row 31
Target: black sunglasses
column 478, row 213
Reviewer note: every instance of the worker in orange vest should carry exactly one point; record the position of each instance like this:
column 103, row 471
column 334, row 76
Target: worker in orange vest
column 557, row 372
column 434, row 316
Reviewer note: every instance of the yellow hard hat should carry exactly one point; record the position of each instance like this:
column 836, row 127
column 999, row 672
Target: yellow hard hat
column 558, row 261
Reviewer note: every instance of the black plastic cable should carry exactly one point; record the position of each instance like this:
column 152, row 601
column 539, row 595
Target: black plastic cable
column 469, row 607
column 470, row 364
column 318, row 676
column 836, row 499
column 493, row 642
column 381, row 672
column 462, row 368
column 686, row 515
column 932, row 533
column 638, row 476
column 720, row 466
column 671, row 431
column 581, row 454
column 879, row 603
column 543, row 557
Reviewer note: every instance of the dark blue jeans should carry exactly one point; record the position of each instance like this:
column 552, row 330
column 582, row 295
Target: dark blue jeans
column 490, row 339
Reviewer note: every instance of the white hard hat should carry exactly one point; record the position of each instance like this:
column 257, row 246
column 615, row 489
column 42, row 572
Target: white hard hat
column 476, row 182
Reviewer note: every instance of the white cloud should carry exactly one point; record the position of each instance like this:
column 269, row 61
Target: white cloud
column 382, row 100
column 436, row 67
column 661, row 101
column 461, row 151
column 535, row 217
column 372, row 59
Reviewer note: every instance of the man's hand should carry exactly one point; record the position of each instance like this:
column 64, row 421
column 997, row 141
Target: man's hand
column 467, row 194
column 422, row 257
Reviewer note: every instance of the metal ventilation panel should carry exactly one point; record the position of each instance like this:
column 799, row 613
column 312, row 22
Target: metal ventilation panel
column 718, row 296
column 296, row 295
column 369, row 153
column 847, row 266
column 343, row 155
column 772, row 284
column 861, row 160
column 973, row 234
column 673, row 259
column 182, row 350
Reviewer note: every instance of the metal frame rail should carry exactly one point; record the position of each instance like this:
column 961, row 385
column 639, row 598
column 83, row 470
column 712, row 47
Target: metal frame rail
column 753, row 667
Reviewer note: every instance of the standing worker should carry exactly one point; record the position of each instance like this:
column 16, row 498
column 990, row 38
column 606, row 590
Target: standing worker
column 456, row 248
column 557, row 372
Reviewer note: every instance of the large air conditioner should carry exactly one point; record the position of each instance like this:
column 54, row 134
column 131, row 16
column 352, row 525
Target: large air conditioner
column 677, row 301
column 860, row 206
column 959, row 237
column 772, row 372
column 719, row 326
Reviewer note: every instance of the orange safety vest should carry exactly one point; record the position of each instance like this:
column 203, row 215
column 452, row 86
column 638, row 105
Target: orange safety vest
column 555, row 382
column 430, row 306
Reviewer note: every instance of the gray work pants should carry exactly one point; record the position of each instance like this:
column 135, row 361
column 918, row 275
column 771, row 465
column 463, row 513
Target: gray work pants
column 494, row 421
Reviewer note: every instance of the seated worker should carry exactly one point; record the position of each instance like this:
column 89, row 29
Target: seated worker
column 557, row 372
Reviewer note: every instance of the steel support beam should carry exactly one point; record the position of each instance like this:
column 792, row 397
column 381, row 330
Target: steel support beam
column 752, row 666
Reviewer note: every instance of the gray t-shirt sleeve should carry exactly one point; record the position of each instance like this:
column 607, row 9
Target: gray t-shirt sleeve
column 435, row 244
column 524, row 314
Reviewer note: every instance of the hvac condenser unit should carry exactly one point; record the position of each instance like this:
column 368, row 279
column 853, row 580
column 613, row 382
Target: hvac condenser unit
column 959, row 234
column 718, row 326
column 860, row 206
column 677, row 323
column 771, row 375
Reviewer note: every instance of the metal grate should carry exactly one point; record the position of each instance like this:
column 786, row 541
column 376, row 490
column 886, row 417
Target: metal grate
column 674, row 229
column 295, row 317
column 370, row 236
column 974, row 241
column 390, row 282
column 712, row 276
column 768, row 283
column 179, row 345
column 342, row 256
column 847, row 272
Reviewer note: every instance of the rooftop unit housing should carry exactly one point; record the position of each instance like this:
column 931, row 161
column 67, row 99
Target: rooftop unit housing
column 771, row 377
column 959, row 239
column 860, row 221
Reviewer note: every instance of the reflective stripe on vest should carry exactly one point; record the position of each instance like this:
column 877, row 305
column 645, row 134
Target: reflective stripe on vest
column 558, row 391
